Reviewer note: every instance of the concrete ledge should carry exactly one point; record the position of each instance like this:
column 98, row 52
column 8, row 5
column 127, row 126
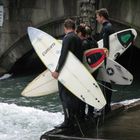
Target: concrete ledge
column 76, row 133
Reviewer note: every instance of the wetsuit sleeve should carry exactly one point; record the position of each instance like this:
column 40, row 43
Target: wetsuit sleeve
column 63, row 56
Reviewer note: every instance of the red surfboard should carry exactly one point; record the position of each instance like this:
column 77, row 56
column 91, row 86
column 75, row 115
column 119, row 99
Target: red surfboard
column 94, row 58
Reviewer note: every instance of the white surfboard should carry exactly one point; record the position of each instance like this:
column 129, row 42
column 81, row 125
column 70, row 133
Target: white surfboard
column 114, row 73
column 45, row 84
column 74, row 75
column 119, row 42
column 45, row 87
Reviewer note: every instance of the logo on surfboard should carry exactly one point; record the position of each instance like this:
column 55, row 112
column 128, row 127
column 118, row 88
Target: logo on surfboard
column 110, row 71
column 48, row 49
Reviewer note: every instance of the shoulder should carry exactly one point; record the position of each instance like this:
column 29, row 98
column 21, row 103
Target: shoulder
column 108, row 28
column 70, row 36
column 72, row 39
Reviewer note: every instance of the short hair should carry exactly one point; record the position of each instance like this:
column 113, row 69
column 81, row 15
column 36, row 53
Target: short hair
column 69, row 24
column 103, row 12
column 81, row 28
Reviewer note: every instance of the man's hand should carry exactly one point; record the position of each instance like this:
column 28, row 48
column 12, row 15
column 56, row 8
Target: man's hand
column 106, row 52
column 55, row 74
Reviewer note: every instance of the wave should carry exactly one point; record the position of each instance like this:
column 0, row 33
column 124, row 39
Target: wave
column 28, row 123
column 24, row 123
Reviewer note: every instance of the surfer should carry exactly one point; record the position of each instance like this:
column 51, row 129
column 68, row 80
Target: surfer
column 88, row 42
column 102, row 18
column 70, row 103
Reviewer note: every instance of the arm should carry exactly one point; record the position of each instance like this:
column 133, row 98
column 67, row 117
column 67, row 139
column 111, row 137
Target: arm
column 62, row 58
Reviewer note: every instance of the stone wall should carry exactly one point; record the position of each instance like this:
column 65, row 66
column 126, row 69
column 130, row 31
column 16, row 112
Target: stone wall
column 126, row 12
column 18, row 15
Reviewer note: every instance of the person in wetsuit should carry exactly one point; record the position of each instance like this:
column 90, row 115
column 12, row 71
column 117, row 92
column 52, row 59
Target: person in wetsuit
column 88, row 42
column 102, row 18
column 70, row 103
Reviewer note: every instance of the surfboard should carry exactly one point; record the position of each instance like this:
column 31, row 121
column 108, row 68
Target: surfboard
column 120, row 42
column 73, row 75
column 94, row 58
column 45, row 84
column 114, row 73
column 128, row 36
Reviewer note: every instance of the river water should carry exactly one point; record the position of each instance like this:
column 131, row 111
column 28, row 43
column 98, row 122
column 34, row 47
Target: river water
column 24, row 118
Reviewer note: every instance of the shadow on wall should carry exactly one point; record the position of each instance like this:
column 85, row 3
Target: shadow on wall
column 27, row 65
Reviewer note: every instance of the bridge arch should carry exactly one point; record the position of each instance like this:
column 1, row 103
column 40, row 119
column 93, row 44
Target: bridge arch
column 14, row 31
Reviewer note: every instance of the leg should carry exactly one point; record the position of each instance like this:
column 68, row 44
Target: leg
column 108, row 94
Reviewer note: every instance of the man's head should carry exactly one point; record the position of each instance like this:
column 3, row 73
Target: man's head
column 69, row 25
column 102, row 15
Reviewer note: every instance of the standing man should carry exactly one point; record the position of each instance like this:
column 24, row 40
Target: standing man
column 102, row 17
column 70, row 103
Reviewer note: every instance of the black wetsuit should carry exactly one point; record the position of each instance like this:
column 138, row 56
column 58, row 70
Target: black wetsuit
column 70, row 103
column 104, row 34
column 88, row 43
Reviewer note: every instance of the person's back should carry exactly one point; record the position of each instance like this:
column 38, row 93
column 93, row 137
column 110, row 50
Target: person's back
column 75, row 44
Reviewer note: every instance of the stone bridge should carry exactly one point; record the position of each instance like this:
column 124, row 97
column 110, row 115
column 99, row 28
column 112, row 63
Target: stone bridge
column 49, row 15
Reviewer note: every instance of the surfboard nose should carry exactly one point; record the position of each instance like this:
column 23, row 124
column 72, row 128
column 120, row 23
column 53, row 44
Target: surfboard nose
column 134, row 32
column 32, row 32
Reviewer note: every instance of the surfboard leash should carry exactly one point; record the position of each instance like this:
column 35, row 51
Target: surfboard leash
column 79, row 125
column 113, row 90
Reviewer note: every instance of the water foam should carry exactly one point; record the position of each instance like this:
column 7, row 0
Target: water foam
column 25, row 123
